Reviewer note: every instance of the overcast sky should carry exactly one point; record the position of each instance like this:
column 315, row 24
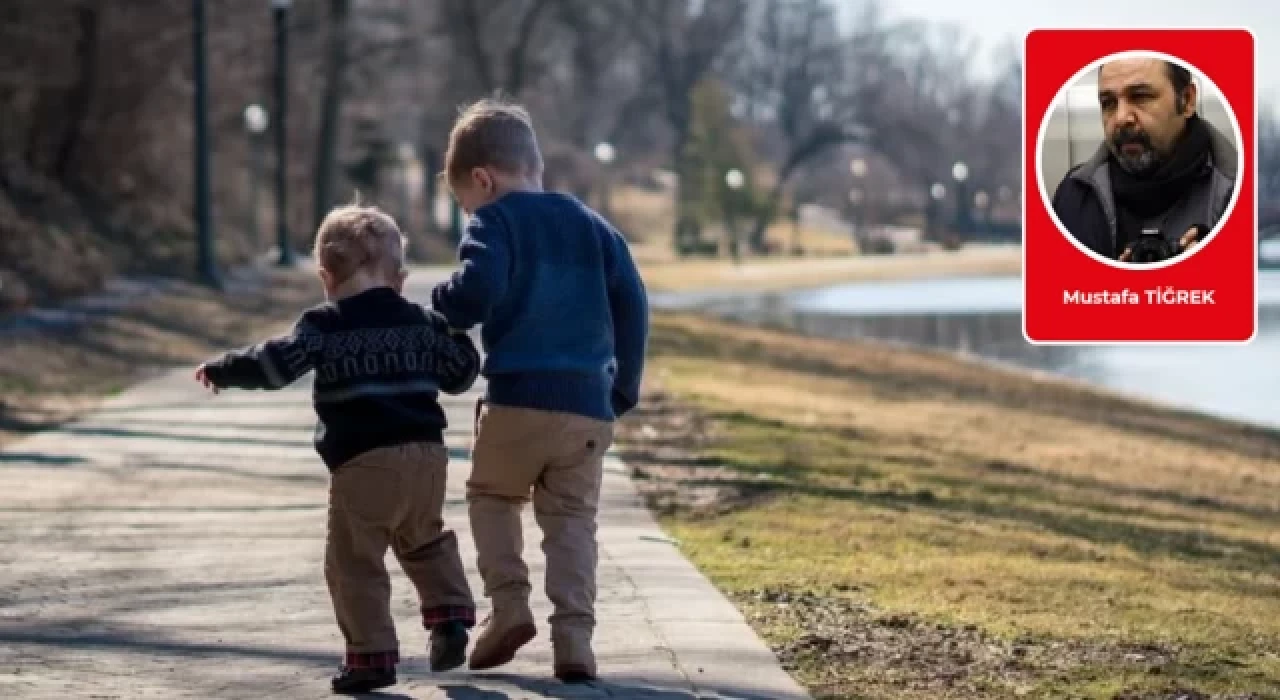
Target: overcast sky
column 995, row 21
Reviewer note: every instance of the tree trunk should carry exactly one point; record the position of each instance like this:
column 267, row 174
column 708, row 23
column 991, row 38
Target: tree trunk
column 78, row 101
column 802, row 152
column 766, row 215
column 679, row 118
column 687, row 233
column 430, row 191
column 518, row 57
column 331, row 109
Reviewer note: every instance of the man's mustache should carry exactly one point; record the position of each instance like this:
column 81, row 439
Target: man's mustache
column 1125, row 137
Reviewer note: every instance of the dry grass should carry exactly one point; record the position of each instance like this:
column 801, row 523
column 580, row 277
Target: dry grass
column 905, row 524
column 49, row 376
column 648, row 216
column 831, row 255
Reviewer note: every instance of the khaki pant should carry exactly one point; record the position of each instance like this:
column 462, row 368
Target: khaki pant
column 394, row 497
column 558, row 459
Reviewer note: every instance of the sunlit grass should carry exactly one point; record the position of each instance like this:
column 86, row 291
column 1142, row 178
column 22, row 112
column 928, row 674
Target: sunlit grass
column 972, row 496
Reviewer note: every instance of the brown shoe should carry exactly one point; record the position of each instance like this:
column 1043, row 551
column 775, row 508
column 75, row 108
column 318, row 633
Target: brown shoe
column 574, row 673
column 505, row 631
column 574, row 660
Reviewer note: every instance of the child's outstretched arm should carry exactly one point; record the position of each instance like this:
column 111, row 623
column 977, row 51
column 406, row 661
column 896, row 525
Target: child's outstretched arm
column 466, row 298
column 272, row 364
column 629, row 306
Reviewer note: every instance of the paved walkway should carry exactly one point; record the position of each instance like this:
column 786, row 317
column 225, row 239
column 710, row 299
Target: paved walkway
column 170, row 545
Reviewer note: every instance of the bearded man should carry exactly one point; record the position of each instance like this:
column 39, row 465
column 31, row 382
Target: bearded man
column 1162, row 174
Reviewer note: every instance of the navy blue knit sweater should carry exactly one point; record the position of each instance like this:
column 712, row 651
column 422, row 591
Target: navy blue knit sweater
column 380, row 362
column 564, row 314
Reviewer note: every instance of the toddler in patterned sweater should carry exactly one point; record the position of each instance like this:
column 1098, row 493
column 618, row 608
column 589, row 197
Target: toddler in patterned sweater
column 379, row 363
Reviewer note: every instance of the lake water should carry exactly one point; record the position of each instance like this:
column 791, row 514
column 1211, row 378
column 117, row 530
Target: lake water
column 982, row 317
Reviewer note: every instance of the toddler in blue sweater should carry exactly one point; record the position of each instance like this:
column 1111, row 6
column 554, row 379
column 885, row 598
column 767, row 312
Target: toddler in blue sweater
column 564, row 325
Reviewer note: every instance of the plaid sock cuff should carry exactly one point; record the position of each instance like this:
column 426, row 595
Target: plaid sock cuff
column 448, row 613
column 372, row 659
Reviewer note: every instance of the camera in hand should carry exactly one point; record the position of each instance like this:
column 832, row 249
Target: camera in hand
column 1151, row 247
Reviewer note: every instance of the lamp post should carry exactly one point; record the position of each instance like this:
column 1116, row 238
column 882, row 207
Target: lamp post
column 206, row 262
column 605, row 153
column 1004, row 196
column 856, row 198
column 408, row 158
column 982, row 202
column 937, row 193
column 735, row 180
column 280, row 13
column 859, row 169
column 255, row 123
column 960, row 173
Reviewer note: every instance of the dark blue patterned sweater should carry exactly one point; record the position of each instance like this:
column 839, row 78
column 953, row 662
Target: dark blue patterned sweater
column 380, row 362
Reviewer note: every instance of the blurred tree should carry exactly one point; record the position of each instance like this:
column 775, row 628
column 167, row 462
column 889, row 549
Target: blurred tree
column 716, row 146
column 95, row 128
column 374, row 151
column 327, row 138
column 499, row 42
column 919, row 115
column 791, row 72
column 96, row 134
column 682, row 41
column 995, row 112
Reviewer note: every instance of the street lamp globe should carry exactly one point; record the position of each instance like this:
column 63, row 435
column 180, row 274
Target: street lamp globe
column 858, row 167
column 255, row 119
column 938, row 191
column 855, row 196
column 605, row 153
column 981, row 200
column 735, row 179
column 960, row 172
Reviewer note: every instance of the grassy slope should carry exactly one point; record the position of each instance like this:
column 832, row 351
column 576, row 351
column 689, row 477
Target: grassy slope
column 903, row 524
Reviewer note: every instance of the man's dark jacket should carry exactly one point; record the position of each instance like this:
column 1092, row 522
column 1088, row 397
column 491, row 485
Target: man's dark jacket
column 1086, row 206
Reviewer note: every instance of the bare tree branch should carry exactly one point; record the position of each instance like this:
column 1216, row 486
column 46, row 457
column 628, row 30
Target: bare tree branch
column 517, row 56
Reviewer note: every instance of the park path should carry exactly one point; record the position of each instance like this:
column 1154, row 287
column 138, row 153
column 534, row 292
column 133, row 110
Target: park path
column 170, row 544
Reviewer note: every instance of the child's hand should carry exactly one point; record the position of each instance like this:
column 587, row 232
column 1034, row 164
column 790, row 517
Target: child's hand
column 203, row 377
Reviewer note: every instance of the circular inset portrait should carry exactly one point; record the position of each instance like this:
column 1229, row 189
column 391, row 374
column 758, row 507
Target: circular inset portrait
column 1138, row 160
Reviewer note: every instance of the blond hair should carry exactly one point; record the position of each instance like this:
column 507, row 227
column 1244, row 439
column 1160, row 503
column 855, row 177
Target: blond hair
column 492, row 133
column 354, row 237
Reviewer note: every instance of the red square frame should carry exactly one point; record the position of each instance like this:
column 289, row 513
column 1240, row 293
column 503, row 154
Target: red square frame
column 1227, row 261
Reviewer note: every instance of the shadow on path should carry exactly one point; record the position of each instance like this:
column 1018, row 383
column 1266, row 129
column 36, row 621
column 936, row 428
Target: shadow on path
column 279, row 508
column 69, row 635
column 40, row 458
column 610, row 686
column 155, row 435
